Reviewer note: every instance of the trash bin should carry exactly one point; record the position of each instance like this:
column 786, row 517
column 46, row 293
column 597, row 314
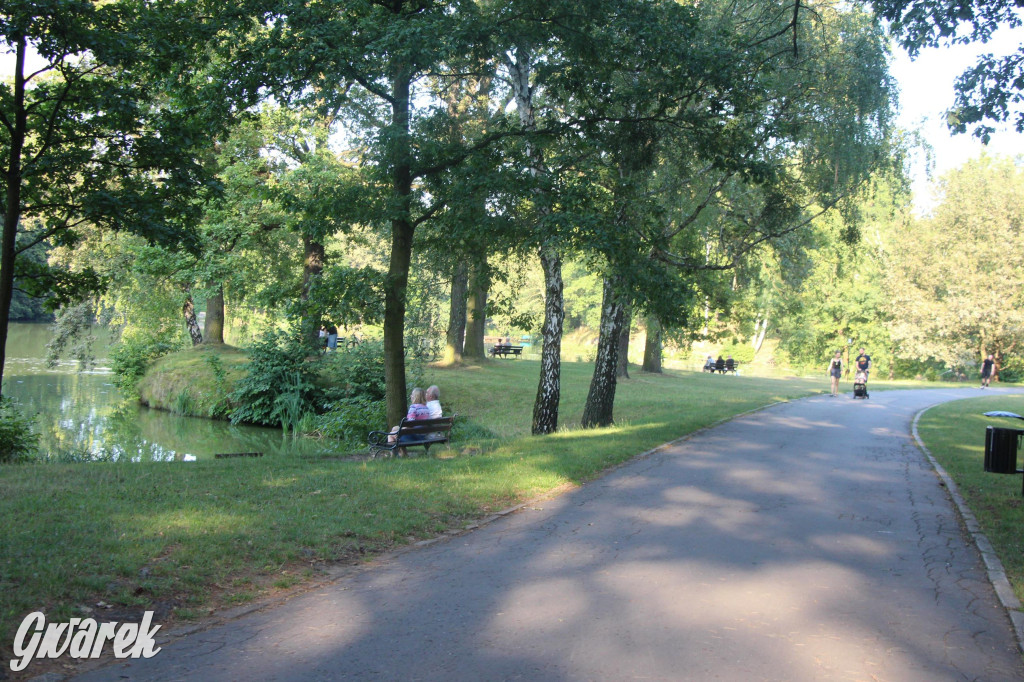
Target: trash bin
column 1001, row 450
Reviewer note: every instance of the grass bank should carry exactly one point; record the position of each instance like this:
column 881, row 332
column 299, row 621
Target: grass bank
column 113, row 539
column 954, row 432
column 195, row 382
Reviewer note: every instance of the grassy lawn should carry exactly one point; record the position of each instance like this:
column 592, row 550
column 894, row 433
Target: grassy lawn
column 186, row 538
column 954, row 432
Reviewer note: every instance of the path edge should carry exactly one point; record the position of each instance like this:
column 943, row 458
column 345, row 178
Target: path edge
column 993, row 566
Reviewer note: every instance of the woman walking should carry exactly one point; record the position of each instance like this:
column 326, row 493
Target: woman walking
column 835, row 370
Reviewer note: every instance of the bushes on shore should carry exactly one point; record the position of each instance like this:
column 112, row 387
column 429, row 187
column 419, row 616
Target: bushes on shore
column 18, row 440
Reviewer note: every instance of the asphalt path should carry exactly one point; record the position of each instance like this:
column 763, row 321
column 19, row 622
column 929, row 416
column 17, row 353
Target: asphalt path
column 808, row 541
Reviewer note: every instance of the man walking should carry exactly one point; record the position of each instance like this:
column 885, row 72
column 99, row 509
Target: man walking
column 863, row 362
column 986, row 370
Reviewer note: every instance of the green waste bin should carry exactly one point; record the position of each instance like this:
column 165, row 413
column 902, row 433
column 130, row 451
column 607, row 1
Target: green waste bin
column 1001, row 450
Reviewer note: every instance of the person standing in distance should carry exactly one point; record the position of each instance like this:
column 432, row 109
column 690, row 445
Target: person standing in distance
column 835, row 370
column 986, row 370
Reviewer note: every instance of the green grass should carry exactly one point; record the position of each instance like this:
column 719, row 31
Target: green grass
column 954, row 432
column 187, row 382
column 185, row 538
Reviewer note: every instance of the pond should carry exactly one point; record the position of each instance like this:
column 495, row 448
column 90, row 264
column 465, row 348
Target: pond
column 82, row 415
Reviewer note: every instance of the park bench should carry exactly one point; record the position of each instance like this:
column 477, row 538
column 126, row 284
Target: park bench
column 412, row 433
column 731, row 367
column 505, row 351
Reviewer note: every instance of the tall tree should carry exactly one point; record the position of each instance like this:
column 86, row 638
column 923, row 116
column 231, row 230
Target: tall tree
column 773, row 134
column 90, row 136
column 960, row 319
column 369, row 59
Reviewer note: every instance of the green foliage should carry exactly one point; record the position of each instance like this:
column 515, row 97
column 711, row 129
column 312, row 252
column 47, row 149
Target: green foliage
column 100, row 72
column 351, row 419
column 133, row 356
column 72, row 335
column 357, row 371
column 741, row 352
column 18, row 440
column 1012, row 370
column 991, row 90
column 955, row 278
column 291, row 403
column 280, row 383
column 220, row 406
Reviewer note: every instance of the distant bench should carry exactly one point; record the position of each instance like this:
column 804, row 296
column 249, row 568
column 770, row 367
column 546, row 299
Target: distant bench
column 412, row 433
column 504, row 351
column 732, row 367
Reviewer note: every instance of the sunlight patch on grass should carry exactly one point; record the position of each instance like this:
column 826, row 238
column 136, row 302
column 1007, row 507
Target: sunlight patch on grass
column 190, row 520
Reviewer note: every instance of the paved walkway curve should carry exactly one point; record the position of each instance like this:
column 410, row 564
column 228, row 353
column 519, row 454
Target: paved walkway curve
column 807, row 541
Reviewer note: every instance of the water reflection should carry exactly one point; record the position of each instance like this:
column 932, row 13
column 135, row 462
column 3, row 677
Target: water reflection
column 82, row 415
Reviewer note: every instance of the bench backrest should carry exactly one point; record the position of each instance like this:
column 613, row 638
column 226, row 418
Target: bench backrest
column 423, row 427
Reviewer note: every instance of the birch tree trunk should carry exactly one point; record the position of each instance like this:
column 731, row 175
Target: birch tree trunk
column 549, row 387
column 622, row 368
column 456, row 335
column 652, row 345
column 188, row 310
column 760, row 329
column 601, row 398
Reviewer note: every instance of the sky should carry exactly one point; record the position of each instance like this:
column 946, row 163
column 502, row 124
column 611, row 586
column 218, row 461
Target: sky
column 926, row 93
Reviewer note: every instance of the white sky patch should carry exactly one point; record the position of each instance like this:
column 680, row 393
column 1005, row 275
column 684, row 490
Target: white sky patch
column 926, row 86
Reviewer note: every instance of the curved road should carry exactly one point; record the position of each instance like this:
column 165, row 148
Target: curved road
column 808, row 541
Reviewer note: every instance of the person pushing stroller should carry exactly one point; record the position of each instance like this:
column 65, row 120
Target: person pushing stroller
column 860, row 380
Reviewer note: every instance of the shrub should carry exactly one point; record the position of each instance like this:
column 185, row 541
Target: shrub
column 741, row 352
column 131, row 358
column 18, row 440
column 357, row 371
column 1012, row 371
column 220, row 403
column 351, row 419
column 279, row 385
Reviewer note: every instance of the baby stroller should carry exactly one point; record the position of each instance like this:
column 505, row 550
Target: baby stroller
column 860, row 384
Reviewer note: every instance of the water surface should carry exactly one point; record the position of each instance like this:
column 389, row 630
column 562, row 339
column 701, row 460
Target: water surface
column 82, row 414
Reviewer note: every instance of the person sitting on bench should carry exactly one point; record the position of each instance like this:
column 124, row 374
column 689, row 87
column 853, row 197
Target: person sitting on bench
column 417, row 410
column 433, row 396
column 730, row 364
column 720, row 365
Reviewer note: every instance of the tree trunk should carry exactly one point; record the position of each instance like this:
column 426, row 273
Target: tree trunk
column 315, row 257
column 12, row 208
column 401, row 249
column 213, row 331
column 622, row 366
column 601, row 398
column 652, row 345
column 455, row 339
column 476, row 314
column 549, row 388
column 188, row 309
column 760, row 330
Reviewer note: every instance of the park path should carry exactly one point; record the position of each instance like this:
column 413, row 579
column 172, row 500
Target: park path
column 807, row 541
